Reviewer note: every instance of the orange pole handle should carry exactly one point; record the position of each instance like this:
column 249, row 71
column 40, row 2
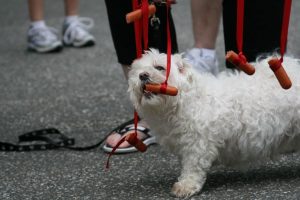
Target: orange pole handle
column 134, row 141
column 137, row 14
column 156, row 88
column 280, row 73
column 234, row 58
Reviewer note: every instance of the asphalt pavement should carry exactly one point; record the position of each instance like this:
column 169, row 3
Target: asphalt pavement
column 82, row 92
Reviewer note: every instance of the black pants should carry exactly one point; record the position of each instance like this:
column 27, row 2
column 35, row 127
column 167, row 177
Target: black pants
column 262, row 26
column 123, row 33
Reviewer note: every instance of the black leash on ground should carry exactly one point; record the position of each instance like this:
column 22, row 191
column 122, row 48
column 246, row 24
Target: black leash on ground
column 51, row 138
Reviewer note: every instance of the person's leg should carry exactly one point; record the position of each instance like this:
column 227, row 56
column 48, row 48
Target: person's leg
column 126, row 69
column 124, row 43
column 206, row 19
column 206, row 16
column 76, row 32
column 71, row 7
column 36, row 10
column 41, row 38
column 114, row 138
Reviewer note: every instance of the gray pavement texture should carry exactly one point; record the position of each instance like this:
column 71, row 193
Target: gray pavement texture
column 82, row 93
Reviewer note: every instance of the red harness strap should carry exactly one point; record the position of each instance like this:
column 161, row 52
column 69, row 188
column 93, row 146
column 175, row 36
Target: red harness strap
column 239, row 60
column 275, row 63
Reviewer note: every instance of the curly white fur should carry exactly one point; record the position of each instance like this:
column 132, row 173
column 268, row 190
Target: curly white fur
column 231, row 119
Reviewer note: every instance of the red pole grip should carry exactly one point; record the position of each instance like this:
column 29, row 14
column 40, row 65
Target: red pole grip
column 134, row 141
column 137, row 14
column 281, row 75
column 156, row 88
column 234, row 58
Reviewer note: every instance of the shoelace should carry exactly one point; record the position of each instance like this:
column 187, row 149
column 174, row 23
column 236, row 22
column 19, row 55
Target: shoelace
column 83, row 24
column 43, row 34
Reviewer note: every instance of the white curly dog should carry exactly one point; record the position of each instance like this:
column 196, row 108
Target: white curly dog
column 232, row 119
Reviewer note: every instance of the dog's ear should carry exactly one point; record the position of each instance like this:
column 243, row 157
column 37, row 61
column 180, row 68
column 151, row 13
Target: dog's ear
column 182, row 65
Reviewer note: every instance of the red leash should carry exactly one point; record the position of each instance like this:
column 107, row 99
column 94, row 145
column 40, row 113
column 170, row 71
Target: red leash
column 164, row 86
column 145, row 22
column 240, row 60
column 137, row 31
column 275, row 63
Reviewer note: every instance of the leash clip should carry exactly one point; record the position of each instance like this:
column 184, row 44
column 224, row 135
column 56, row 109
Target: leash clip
column 155, row 22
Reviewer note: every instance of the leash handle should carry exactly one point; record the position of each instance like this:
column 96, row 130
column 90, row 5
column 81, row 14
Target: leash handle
column 132, row 140
column 240, row 60
column 280, row 73
column 276, row 64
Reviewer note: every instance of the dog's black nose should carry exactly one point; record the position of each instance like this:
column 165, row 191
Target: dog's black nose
column 144, row 76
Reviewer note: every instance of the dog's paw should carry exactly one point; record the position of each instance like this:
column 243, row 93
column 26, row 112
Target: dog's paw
column 185, row 188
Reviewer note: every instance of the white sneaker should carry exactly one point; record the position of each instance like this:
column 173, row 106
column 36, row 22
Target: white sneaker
column 202, row 63
column 43, row 39
column 76, row 33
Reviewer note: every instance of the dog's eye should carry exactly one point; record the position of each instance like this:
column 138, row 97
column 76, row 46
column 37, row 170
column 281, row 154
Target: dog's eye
column 159, row 68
